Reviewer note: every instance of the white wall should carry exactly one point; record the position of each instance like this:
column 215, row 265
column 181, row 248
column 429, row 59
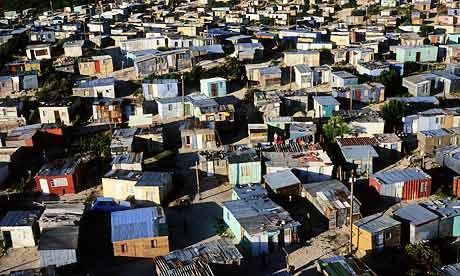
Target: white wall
column 21, row 236
column 57, row 257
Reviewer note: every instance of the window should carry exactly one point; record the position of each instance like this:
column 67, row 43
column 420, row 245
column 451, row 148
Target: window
column 423, row 187
column 245, row 170
column 124, row 248
column 170, row 107
column 387, row 235
column 58, row 182
column 153, row 243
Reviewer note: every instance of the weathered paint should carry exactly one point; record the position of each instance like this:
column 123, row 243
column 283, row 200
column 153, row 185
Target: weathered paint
column 456, row 227
column 57, row 257
column 21, row 236
column 427, row 231
column 244, row 173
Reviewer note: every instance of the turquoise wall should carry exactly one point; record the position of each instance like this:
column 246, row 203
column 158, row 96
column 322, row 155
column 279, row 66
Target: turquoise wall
column 427, row 54
column 237, row 173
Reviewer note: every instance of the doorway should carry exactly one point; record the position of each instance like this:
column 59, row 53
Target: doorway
column 8, row 242
column 214, row 89
column 417, row 56
column 57, row 117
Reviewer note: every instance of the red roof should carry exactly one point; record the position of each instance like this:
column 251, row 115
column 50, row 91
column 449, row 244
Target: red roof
column 357, row 141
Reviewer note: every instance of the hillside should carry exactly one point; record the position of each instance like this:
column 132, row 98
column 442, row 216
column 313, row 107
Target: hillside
column 19, row 5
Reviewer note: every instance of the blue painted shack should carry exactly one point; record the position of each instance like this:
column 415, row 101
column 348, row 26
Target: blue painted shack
column 214, row 87
column 139, row 232
column 244, row 167
column 325, row 106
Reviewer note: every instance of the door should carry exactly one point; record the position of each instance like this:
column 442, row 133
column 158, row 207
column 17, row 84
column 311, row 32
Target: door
column 44, row 186
column 187, row 110
column 379, row 241
column 57, row 117
column 271, row 244
column 214, row 89
column 7, row 239
column 417, row 56
column 97, row 66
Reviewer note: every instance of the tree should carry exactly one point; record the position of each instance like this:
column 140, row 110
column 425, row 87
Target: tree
column 392, row 113
column 392, row 81
column 55, row 86
column 335, row 127
column 98, row 145
column 234, row 69
column 423, row 258
column 411, row 67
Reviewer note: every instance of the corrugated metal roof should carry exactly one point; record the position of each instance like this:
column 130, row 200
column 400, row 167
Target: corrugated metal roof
column 260, row 215
column 65, row 237
column 400, row 175
column 415, row 214
column 243, row 155
column 220, row 251
column 160, row 179
column 450, row 270
column 443, row 208
column 281, row 179
column 331, row 193
column 326, row 100
column 134, row 224
column 250, row 192
column 435, row 132
column 20, row 218
column 303, row 68
column 376, row 223
column 362, row 152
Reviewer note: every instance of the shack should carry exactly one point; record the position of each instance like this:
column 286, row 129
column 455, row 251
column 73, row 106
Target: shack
column 332, row 199
column 283, row 183
column 376, row 232
column 260, row 225
column 139, row 232
column 244, row 166
column 20, row 228
column 58, row 246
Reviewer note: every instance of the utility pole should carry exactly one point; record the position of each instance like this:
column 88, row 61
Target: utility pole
column 351, row 100
column 286, row 258
column 100, row 26
column 183, row 95
column 350, row 249
column 290, row 78
column 197, row 181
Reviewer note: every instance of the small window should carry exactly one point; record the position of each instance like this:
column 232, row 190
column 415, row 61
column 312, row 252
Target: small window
column 153, row 243
column 245, row 171
column 124, row 248
column 170, row 107
column 423, row 187
column 387, row 235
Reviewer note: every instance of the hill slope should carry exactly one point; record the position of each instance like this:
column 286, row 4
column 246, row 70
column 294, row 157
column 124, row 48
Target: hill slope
column 18, row 5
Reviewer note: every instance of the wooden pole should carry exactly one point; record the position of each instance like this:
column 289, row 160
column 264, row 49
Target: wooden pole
column 351, row 100
column 183, row 95
column 197, row 181
column 350, row 249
